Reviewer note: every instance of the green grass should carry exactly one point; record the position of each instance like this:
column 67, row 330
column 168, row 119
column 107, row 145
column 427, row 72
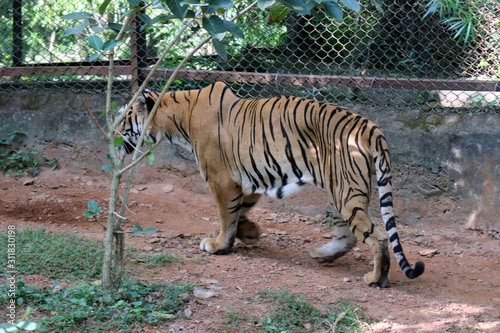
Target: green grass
column 54, row 255
column 163, row 259
column 292, row 313
column 90, row 308
column 233, row 318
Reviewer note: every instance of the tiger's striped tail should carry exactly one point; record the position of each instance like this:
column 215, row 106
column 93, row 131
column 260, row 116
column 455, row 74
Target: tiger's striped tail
column 384, row 182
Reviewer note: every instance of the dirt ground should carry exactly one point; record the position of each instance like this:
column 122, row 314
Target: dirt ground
column 459, row 291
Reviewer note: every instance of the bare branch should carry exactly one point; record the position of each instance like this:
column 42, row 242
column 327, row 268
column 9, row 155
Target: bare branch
column 99, row 221
column 93, row 118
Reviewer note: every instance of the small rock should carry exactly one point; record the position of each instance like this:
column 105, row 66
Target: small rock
column 167, row 188
column 173, row 234
column 429, row 253
column 277, row 232
column 358, row 256
column 154, row 240
column 283, row 220
column 148, row 248
column 346, row 279
column 28, row 182
column 187, row 312
column 328, row 236
column 203, row 293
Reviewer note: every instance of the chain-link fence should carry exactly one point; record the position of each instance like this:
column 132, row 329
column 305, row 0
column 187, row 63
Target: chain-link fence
column 396, row 57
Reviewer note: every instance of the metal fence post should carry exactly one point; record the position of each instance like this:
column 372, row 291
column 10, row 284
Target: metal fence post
column 17, row 33
column 138, row 50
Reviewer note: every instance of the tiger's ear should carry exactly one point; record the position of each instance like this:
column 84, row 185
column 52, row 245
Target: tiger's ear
column 146, row 102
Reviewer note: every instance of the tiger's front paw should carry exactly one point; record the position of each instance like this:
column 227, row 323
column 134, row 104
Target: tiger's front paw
column 211, row 245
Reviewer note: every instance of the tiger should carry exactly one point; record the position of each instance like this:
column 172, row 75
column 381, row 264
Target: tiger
column 246, row 148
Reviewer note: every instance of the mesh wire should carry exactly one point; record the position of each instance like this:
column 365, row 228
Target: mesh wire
column 393, row 58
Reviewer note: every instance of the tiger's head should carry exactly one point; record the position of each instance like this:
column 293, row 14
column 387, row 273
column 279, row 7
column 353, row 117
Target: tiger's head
column 132, row 126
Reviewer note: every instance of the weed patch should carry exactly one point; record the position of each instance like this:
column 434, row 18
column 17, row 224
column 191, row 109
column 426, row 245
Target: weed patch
column 90, row 308
column 54, row 255
column 292, row 313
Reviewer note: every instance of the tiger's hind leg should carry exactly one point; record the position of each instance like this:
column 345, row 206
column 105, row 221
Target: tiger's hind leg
column 248, row 231
column 363, row 228
column 229, row 200
column 342, row 241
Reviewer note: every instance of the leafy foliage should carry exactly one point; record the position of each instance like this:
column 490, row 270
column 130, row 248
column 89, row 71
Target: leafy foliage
column 460, row 17
column 16, row 161
column 90, row 308
column 21, row 326
column 213, row 18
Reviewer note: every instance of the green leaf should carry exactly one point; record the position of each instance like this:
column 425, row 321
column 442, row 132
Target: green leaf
column 107, row 168
column 92, row 205
column 89, row 213
column 263, row 4
column 96, row 42
column 278, row 13
column 178, row 8
column 483, row 63
column 192, row 3
column 103, row 6
column 77, row 29
column 378, row 6
column 117, row 27
column 234, row 29
column 333, row 10
column 76, row 16
column 300, row 6
column 109, row 44
column 146, row 19
column 118, row 141
column 97, row 29
column 137, row 225
column 136, row 232
column 213, row 5
column 150, row 230
column 220, row 48
column 27, row 325
column 8, row 328
column 94, row 56
column 351, row 4
column 132, row 11
column 134, row 3
column 150, row 157
column 214, row 25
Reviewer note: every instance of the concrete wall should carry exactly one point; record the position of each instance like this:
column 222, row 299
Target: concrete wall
column 446, row 164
